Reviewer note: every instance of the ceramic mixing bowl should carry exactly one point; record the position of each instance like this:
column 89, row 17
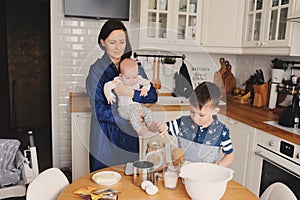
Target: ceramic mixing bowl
column 205, row 180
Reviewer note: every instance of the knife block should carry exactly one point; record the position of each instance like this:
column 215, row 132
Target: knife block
column 260, row 95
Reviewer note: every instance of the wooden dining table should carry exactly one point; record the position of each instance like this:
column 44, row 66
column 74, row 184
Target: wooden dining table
column 128, row 190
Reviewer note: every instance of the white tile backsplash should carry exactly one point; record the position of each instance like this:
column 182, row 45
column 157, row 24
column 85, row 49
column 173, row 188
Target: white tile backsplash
column 246, row 66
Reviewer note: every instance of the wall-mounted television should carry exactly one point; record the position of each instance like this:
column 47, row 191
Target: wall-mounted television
column 98, row 9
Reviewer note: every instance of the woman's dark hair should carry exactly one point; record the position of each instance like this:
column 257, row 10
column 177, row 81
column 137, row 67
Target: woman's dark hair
column 110, row 26
column 203, row 93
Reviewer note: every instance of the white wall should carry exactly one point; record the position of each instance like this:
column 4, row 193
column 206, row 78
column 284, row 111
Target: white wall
column 74, row 47
column 71, row 42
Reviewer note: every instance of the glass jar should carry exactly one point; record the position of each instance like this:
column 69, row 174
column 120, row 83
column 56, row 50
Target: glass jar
column 155, row 153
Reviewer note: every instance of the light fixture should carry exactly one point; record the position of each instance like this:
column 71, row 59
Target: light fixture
column 294, row 18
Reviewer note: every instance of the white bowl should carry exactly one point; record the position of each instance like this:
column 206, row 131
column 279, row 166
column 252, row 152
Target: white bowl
column 205, row 180
column 106, row 177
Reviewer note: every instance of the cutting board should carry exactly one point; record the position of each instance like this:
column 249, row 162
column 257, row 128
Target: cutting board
column 226, row 73
column 229, row 80
column 218, row 77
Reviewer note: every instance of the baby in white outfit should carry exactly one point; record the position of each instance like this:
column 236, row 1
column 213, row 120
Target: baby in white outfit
column 128, row 109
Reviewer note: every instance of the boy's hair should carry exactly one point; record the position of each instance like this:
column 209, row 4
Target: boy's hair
column 129, row 63
column 203, row 93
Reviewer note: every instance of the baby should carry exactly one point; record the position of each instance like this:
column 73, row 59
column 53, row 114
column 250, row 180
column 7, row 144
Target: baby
column 128, row 109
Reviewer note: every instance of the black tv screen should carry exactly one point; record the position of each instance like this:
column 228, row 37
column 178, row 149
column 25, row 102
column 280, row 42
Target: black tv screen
column 98, row 9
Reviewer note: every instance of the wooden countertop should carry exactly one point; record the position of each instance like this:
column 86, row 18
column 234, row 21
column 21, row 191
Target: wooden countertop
column 247, row 114
column 79, row 102
column 234, row 190
column 255, row 117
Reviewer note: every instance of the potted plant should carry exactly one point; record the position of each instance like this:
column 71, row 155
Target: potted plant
column 279, row 64
column 168, row 63
column 169, row 60
column 278, row 69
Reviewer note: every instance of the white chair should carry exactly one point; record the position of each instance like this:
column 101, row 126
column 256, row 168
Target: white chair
column 12, row 159
column 47, row 185
column 278, row 191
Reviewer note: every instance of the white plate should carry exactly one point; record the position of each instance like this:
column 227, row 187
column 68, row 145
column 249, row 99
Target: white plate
column 106, row 177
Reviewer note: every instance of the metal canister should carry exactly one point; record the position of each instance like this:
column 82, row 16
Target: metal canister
column 142, row 171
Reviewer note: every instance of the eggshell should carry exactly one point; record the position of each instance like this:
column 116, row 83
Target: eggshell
column 145, row 184
column 151, row 189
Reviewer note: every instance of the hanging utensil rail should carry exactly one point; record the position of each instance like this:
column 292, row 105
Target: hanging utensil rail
column 135, row 55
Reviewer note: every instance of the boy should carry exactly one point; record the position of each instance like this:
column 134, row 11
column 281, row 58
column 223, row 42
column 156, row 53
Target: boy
column 128, row 109
column 201, row 135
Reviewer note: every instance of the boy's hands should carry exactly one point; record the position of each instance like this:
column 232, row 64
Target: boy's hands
column 162, row 128
column 144, row 92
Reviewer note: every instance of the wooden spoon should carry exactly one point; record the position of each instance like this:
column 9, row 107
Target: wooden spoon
column 157, row 82
column 153, row 75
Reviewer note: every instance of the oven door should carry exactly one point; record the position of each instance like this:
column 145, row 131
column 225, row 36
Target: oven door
column 270, row 168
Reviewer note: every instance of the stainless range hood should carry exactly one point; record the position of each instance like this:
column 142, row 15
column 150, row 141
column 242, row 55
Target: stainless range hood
column 295, row 17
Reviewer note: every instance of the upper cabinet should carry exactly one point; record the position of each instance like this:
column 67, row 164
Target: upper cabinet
column 222, row 26
column 176, row 23
column 257, row 27
column 267, row 30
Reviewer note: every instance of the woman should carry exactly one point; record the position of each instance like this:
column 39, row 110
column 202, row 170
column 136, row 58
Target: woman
column 113, row 141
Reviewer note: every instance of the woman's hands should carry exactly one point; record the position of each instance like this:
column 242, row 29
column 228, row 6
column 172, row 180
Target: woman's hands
column 144, row 92
column 111, row 100
column 122, row 90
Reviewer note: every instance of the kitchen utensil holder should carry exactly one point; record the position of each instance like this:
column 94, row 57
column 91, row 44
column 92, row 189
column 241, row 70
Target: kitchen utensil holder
column 135, row 55
column 260, row 95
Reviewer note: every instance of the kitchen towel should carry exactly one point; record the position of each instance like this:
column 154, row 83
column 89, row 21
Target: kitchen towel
column 183, row 83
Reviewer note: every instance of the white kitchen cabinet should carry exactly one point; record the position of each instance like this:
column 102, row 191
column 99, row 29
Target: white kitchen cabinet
column 80, row 122
column 222, row 26
column 242, row 137
column 176, row 23
column 266, row 30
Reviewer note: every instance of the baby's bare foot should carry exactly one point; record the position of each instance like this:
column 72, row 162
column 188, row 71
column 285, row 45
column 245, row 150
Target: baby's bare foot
column 152, row 126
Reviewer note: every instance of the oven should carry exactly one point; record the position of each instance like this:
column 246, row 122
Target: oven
column 275, row 160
